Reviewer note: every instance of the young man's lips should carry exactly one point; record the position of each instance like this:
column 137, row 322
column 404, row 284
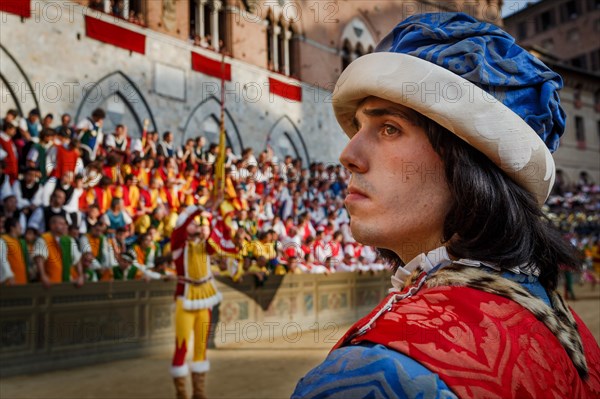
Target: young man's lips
column 353, row 190
column 355, row 195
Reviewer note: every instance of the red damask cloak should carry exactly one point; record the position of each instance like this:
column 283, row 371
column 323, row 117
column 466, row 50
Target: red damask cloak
column 482, row 345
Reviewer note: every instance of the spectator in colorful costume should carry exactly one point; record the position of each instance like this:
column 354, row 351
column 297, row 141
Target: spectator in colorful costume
column 57, row 256
column 196, row 294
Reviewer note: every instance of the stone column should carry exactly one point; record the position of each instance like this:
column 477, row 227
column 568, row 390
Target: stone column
column 125, row 9
column 287, row 35
column 275, row 41
column 214, row 14
column 200, row 17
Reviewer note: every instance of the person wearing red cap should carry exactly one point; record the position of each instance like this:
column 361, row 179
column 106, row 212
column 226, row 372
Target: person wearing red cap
column 451, row 128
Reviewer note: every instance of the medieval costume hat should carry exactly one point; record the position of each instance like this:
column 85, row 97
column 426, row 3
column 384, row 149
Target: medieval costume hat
column 471, row 78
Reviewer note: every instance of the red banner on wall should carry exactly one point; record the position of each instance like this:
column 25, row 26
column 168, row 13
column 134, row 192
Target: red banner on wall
column 21, row 8
column 210, row 67
column 115, row 35
column 285, row 90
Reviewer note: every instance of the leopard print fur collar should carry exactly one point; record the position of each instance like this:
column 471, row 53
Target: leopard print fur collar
column 557, row 318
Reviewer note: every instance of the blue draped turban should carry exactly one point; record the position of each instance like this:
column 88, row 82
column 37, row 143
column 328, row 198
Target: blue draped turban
column 487, row 56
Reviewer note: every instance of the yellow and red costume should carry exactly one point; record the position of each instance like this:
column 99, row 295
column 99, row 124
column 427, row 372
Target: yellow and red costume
column 142, row 176
column 112, row 172
column 131, row 199
column 154, row 196
column 195, row 294
column 164, row 174
column 170, row 197
column 99, row 195
column 185, row 198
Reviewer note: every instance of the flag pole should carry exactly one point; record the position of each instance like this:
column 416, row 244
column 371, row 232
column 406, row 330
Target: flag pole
column 219, row 187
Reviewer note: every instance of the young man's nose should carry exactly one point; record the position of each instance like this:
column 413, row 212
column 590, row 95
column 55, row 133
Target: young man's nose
column 354, row 154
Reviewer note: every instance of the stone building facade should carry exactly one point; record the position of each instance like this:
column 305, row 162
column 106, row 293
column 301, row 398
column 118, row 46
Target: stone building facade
column 569, row 29
column 579, row 149
column 564, row 33
column 162, row 60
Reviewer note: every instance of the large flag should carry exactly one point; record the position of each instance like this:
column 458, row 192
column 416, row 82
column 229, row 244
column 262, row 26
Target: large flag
column 223, row 230
column 222, row 225
column 219, row 186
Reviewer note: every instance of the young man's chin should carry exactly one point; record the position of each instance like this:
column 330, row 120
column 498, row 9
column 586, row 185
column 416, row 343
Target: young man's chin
column 362, row 233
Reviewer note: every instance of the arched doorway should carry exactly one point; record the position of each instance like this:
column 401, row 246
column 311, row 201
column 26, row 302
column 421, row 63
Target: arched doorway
column 356, row 41
column 15, row 88
column 204, row 120
column 121, row 100
column 285, row 139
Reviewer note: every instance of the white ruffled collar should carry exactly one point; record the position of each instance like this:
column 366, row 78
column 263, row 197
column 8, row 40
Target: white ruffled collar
column 425, row 261
column 440, row 256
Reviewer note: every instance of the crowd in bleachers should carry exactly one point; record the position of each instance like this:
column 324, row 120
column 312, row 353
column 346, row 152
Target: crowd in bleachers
column 574, row 208
column 106, row 203
column 80, row 204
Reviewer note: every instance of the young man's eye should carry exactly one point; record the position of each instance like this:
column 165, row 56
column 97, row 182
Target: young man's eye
column 390, row 130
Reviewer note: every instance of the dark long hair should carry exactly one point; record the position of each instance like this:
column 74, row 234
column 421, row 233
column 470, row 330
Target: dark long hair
column 492, row 218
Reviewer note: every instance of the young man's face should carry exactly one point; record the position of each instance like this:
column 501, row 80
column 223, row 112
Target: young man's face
column 17, row 230
column 93, row 213
column 58, row 199
column 48, row 138
column 30, row 236
column 10, row 204
column 59, row 227
column 398, row 195
column 74, row 232
column 30, row 176
column 66, row 179
column 147, row 241
column 96, row 230
column 199, row 231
